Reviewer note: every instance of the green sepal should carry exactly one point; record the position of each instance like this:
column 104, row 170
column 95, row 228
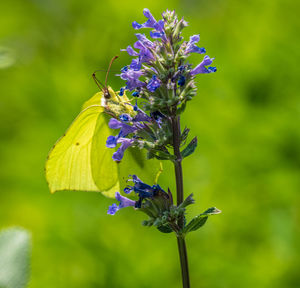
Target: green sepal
column 165, row 229
column 181, row 108
column 190, row 148
column 184, row 134
column 187, row 201
column 160, row 155
column 200, row 220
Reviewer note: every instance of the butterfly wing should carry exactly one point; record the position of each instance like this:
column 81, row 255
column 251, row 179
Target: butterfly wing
column 68, row 165
column 104, row 169
column 81, row 161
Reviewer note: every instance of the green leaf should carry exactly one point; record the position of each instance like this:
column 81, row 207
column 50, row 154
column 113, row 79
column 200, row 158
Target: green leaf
column 14, row 258
column 200, row 220
column 184, row 134
column 190, row 148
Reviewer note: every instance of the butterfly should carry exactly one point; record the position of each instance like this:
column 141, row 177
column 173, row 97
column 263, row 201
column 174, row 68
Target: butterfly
column 80, row 160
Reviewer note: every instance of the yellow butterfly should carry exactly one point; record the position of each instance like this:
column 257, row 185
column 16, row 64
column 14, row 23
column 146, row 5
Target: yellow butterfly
column 80, row 160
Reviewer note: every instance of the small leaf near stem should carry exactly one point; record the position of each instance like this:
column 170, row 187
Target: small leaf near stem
column 198, row 221
column 190, row 148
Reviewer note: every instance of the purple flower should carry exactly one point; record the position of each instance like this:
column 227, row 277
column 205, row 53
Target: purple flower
column 125, row 128
column 153, row 84
column 150, row 23
column 181, row 80
column 125, row 117
column 131, row 74
column 111, row 142
column 158, row 26
column 124, row 69
column 132, row 79
column 130, row 51
column 121, row 93
column 141, row 116
column 144, row 56
column 192, row 48
column 156, row 34
column 201, row 67
column 124, row 202
column 144, row 40
column 135, row 64
column 142, row 189
column 112, row 209
column 125, row 143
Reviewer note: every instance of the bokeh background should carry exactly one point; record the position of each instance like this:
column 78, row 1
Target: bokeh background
column 247, row 163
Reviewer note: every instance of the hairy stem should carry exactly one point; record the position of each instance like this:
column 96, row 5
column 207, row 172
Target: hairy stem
column 183, row 262
column 177, row 162
column 179, row 190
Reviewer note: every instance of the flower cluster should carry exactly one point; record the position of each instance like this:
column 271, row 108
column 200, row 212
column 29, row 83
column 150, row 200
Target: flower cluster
column 161, row 80
column 141, row 189
column 153, row 201
column 141, row 130
column 159, row 71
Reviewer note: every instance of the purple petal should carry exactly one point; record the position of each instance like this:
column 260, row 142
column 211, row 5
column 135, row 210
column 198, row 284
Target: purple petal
column 118, row 155
column 114, row 123
column 136, row 25
column 127, row 190
column 125, row 129
column 207, row 61
column 112, row 209
column 159, row 26
column 125, row 117
column 201, row 69
column 111, row 142
column 144, row 40
column 155, row 34
column 142, row 117
column 194, row 39
column 153, row 84
column 139, row 45
column 124, row 201
column 192, row 48
column 148, row 14
column 135, row 64
column 131, row 52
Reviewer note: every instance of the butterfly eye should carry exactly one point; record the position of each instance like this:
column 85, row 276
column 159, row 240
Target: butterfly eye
column 106, row 94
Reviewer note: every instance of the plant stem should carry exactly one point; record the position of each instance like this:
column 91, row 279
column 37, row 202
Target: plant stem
column 183, row 262
column 177, row 162
column 179, row 191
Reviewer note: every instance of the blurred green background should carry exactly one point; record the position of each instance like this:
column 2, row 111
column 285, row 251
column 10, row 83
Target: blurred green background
column 247, row 163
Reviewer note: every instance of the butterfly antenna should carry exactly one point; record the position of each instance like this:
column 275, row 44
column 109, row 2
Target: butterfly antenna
column 102, row 87
column 97, row 81
column 107, row 73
